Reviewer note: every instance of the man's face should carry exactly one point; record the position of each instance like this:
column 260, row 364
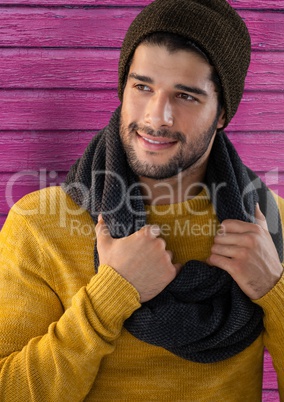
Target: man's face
column 169, row 112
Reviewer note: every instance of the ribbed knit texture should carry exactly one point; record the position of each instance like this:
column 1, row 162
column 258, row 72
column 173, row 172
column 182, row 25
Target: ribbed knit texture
column 215, row 27
column 61, row 334
column 202, row 315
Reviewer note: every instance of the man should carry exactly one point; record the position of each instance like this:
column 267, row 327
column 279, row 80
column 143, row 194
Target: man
column 167, row 304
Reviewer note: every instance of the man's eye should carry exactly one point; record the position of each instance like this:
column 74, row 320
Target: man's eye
column 142, row 87
column 186, row 97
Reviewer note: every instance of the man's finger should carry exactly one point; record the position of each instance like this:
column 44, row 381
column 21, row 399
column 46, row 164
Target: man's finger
column 102, row 232
column 152, row 230
column 260, row 218
column 155, row 230
column 235, row 226
column 178, row 267
column 170, row 253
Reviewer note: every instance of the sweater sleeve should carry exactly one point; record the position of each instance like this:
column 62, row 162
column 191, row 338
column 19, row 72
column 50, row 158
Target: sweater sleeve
column 273, row 306
column 46, row 353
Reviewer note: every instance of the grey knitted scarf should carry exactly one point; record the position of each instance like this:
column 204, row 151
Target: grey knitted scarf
column 203, row 315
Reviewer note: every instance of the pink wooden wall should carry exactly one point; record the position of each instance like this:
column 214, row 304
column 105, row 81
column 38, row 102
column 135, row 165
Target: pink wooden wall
column 58, row 79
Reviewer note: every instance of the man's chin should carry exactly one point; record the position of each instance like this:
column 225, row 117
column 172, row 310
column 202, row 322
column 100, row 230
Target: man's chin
column 155, row 172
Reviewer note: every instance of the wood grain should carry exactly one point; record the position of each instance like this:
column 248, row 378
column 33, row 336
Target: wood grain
column 270, row 396
column 41, row 150
column 56, row 109
column 2, row 220
column 90, row 27
column 260, row 151
column 14, row 186
column 258, row 4
column 97, row 69
column 59, row 68
column 270, row 378
column 249, row 4
column 266, row 72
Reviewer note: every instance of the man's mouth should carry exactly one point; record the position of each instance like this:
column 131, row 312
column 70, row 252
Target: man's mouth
column 155, row 143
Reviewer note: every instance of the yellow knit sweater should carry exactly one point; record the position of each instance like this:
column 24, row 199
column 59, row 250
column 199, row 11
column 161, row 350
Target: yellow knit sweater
column 61, row 327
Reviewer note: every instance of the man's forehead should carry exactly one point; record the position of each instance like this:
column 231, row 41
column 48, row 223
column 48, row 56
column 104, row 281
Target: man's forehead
column 152, row 62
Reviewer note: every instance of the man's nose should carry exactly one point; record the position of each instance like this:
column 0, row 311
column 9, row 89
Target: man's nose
column 159, row 112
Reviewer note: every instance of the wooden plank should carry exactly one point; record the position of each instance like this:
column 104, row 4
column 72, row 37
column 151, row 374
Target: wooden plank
column 259, row 111
column 274, row 180
column 14, row 186
column 2, row 220
column 63, row 27
column 258, row 4
column 49, row 68
column 88, row 110
column 260, row 151
column 97, row 69
column 270, row 376
column 106, row 27
column 249, row 4
column 266, row 29
column 266, row 72
column 58, row 150
column 270, row 396
column 52, row 110
column 73, row 3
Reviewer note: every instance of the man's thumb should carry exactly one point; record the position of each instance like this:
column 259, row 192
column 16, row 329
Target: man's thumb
column 102, row 232
column 260, row 218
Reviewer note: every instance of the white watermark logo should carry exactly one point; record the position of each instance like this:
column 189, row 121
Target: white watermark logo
column 125, row 196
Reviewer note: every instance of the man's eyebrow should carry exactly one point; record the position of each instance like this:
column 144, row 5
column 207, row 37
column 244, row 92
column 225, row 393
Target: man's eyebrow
column 194, row 90
column 142, row 78
column 180, row 87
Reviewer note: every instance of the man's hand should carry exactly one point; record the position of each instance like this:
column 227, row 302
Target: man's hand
column 247, row 252
column 141, row 258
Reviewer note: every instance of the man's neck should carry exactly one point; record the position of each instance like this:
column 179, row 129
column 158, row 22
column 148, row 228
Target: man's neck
column 182, row 187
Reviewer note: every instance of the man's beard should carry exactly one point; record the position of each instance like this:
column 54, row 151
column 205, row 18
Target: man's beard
column 187, row 155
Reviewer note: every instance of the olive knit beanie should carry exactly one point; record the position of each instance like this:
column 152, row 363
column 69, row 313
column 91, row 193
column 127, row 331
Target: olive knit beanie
column 213, row 25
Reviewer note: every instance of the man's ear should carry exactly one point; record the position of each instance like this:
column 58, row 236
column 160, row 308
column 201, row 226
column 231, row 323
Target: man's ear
column 222, row 119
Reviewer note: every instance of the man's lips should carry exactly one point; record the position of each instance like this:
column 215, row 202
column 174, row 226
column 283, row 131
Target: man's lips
column 155, row 143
